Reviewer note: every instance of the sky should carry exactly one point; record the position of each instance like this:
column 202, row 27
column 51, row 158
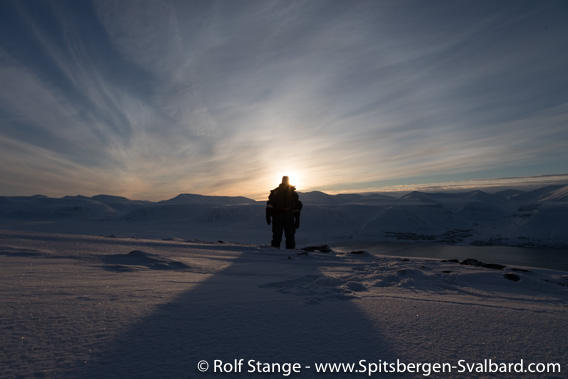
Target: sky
column 149, row 99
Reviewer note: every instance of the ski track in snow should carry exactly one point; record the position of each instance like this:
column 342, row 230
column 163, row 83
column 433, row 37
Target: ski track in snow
column 93, row 307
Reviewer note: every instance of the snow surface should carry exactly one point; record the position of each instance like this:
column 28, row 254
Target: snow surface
column 77, row 306
column 108, row 287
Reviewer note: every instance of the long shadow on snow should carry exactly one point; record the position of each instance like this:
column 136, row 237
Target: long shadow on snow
column 263, row 324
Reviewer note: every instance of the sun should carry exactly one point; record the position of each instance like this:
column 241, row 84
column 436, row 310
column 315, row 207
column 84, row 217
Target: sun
column 294, row 176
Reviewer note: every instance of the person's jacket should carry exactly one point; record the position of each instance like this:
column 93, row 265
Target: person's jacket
column 283, row 199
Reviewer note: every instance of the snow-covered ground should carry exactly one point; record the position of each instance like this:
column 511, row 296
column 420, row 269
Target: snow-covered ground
column 507, row 218
column 103, row 286
column 75, row 306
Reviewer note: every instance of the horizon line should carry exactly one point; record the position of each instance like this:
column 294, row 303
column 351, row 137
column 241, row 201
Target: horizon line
column 495, row 183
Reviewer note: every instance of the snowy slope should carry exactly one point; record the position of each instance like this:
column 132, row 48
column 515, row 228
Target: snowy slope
column 560, row 194
column 41, row 207
column 540, row 194
column 94, row 307
column 214, row 200
column 511, row 218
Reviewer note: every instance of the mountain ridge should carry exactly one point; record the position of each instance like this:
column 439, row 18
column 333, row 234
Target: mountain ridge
column 511, row 218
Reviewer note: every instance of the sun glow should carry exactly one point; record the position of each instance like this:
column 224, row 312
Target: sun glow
column 294, row 176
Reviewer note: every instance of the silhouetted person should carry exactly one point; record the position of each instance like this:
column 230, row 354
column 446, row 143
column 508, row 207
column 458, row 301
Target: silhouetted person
column 283, row 207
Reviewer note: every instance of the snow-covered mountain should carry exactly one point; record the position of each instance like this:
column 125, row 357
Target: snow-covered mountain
column 512, row 217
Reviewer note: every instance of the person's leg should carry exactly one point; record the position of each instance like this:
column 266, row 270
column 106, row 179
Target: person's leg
column 290, row 230
column 277, row 229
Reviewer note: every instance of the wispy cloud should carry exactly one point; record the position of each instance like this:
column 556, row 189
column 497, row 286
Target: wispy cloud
column 153, row 99
column 524, row 183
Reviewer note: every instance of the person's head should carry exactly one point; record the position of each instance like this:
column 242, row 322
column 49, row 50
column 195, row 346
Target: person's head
column 285, row 180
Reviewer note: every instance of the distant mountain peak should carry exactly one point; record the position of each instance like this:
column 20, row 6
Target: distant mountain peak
column 193, row 198
column 109, row 198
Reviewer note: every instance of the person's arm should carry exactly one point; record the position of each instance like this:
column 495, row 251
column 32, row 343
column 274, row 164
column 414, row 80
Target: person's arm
column 297, row 211
column 269, row 207
column 268, row 212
